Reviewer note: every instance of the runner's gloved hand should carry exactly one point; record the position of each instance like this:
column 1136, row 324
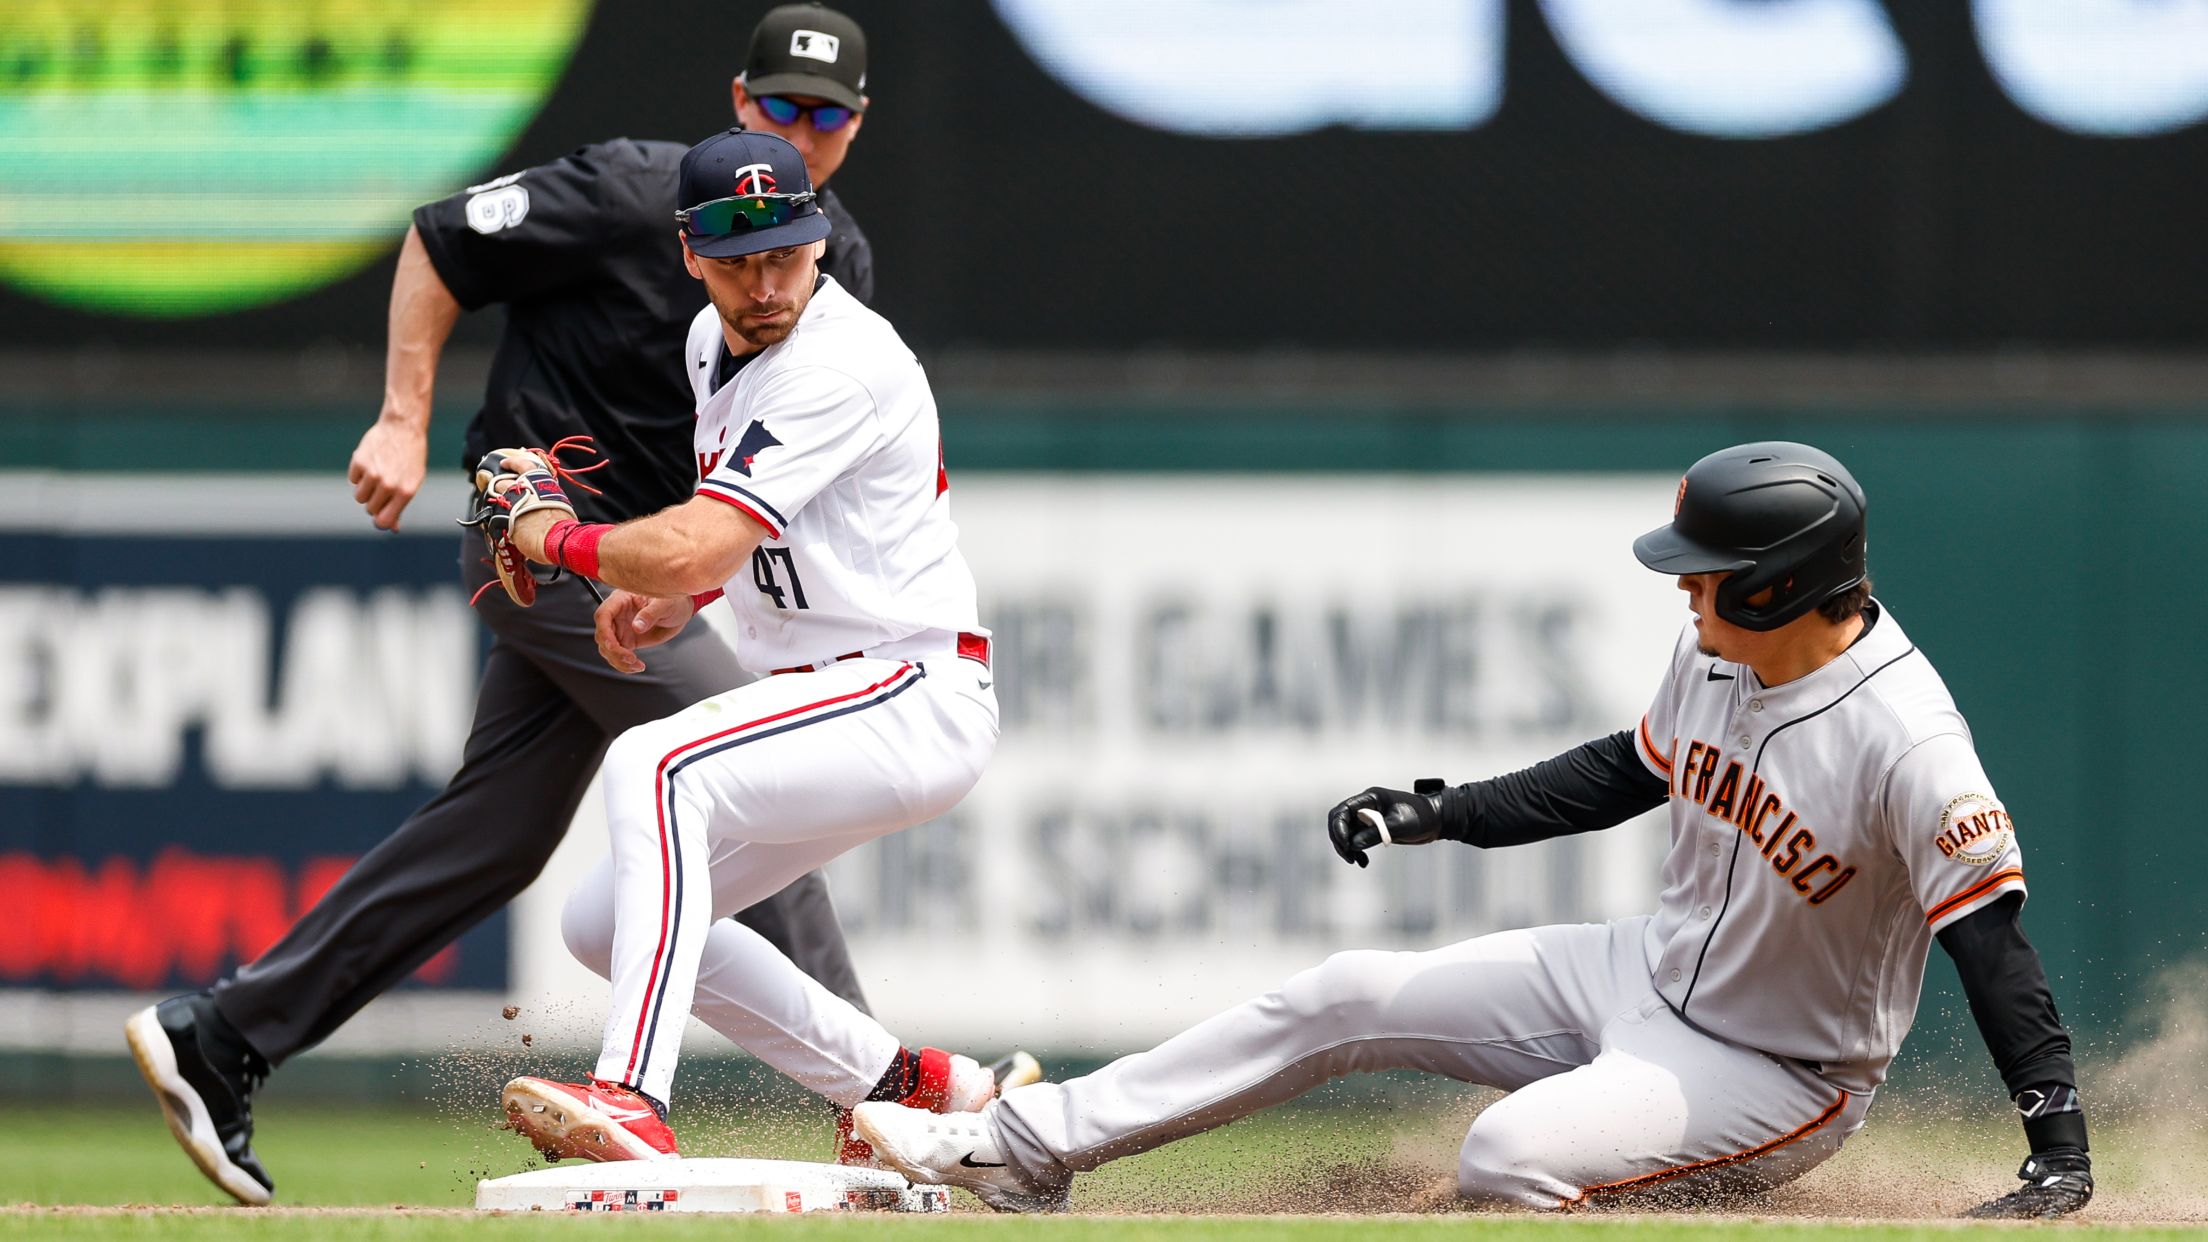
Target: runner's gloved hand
column 1381, row 816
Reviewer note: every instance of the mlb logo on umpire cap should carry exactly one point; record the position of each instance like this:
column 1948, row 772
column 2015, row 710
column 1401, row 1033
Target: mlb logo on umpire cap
column 808, row 50
column 741, row 163
column 814, row 45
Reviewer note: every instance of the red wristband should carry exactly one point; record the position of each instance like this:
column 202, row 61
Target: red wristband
column 574, row 545
column 698, row 602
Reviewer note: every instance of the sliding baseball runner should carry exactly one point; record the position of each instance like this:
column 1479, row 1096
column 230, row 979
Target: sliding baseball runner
column 1829, row 818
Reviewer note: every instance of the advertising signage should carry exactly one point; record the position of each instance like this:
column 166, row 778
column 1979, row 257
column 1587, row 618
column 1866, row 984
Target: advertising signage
column 1211, row 174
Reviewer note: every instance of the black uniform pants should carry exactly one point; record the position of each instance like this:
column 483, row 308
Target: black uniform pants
column 544, row 714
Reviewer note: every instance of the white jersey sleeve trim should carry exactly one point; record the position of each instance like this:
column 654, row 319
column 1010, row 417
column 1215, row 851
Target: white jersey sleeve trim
column 1657, row 759
column 747, row 500
column 1976, row 897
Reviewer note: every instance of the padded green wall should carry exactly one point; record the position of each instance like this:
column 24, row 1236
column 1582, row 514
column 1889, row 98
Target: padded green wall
column 2050, row 563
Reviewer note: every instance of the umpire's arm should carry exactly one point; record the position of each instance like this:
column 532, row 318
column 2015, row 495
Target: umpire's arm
column 387, row 466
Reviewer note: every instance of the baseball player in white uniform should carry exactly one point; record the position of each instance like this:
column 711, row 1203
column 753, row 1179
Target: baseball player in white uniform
column 1829, row 818
column 821, row 518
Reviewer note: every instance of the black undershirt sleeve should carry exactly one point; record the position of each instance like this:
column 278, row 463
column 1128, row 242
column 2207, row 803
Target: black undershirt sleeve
column 1597, row 785
column 2015, row 1011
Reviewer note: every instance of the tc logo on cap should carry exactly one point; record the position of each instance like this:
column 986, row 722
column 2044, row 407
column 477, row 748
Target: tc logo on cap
column 814, row 45
column 755, row 179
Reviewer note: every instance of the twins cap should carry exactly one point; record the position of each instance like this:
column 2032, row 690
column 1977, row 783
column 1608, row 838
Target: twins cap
column 808, row 49
column 737, row 162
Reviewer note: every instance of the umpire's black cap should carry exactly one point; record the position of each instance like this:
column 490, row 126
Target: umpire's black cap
column 808, row 49
column 745, row 164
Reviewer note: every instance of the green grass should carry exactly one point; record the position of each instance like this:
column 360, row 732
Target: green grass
column 409, row 1173
column 401, row 1228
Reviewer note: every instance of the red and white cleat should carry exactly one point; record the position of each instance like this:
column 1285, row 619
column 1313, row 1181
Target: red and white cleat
column 586, row 1121
column 949, row 1083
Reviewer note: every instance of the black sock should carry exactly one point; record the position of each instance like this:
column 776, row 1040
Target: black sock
column 900, row 1080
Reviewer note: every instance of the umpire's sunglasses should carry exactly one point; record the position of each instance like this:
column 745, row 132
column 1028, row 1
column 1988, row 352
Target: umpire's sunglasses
column 827, row 117
column 743, row 214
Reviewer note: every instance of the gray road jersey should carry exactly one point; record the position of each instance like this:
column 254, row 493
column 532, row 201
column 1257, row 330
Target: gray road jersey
column 1821, row 832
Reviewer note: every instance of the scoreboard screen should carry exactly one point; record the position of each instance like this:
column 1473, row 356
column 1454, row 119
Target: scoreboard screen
column 1144, row 175
column 170, row 158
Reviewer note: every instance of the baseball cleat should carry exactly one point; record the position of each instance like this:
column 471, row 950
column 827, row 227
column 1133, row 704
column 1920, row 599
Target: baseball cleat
column 587, row 1121
column 949, row 1083
column 204, row 1075
column 1017, row 1068
column 954, row 1149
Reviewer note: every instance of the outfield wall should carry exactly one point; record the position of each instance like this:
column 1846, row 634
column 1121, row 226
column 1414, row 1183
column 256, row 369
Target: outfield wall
column 1212, row 624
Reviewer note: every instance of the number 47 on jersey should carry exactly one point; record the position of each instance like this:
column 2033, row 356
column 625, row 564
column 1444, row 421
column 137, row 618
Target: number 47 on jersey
column 764, row 576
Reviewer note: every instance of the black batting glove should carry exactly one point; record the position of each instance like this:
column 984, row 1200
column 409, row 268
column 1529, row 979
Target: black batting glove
column 2057, row 1182
column 1404, row 819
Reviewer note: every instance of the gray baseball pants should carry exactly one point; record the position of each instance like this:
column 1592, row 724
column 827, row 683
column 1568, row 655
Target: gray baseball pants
column 1612, row 1093
column 545, row 711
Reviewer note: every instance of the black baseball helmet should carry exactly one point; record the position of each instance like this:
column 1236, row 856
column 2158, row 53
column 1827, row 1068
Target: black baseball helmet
column 1774, row 514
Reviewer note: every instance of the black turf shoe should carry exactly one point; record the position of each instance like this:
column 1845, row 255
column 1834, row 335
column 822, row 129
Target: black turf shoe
column 204, row 1074
column 2057, row 1182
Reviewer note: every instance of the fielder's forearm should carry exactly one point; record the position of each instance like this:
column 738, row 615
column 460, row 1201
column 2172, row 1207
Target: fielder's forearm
column 423, row 312
column 684, row 550
column 1590, row 787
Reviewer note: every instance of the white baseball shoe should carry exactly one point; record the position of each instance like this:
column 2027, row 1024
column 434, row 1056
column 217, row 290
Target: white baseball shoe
column 952, row 1149
column 949, row 1083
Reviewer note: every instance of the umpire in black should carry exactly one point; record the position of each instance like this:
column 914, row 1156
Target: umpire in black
column 583, row 254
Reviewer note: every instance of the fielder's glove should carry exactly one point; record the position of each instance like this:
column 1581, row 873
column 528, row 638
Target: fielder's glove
column 1385, row 817
column 2057, row 1182
column 510, row 483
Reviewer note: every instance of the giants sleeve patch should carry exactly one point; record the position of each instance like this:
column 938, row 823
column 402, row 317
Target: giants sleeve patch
column 1974, row 830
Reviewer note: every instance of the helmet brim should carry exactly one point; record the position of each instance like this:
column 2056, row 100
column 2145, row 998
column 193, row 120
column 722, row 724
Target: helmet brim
column 1667, row 551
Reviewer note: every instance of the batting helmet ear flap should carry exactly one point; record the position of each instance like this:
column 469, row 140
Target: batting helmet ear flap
column 1830, row 567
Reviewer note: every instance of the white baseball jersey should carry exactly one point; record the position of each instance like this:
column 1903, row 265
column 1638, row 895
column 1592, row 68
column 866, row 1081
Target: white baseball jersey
column 1821, row 832
column 829, row 439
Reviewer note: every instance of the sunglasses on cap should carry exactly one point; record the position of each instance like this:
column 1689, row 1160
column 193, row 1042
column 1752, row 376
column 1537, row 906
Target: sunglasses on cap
column 827, row 117
column 742, row 214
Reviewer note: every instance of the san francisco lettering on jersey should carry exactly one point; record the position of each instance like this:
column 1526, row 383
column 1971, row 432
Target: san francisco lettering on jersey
column 1763, row 815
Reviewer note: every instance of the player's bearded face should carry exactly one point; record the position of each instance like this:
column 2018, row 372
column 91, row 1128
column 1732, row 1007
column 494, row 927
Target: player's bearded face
column 760, row 296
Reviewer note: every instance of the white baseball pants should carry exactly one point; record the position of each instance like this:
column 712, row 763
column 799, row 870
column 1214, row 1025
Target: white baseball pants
column 727, row 801
column 1612, row 1094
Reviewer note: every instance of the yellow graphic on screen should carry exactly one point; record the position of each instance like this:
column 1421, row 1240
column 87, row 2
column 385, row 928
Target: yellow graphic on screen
column 169, row 158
